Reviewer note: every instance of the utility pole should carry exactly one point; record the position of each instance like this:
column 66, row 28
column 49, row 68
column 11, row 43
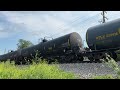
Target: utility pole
column 104, row 18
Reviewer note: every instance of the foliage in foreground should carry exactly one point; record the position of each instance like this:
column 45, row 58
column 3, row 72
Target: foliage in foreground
column 35, row 71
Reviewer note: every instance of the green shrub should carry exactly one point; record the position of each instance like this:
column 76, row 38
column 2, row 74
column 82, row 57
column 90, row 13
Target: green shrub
column 41, row 70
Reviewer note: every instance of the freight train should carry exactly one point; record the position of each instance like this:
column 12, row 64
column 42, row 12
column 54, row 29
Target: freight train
column 101, row 39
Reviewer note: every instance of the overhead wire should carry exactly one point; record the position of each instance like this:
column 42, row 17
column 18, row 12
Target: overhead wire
column 87, row 19
column 74, row 21
column 73, row 24
column 62, row 26
column 76, row 18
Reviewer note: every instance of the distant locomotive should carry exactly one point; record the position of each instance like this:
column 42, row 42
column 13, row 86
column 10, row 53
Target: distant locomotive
column 101, row 39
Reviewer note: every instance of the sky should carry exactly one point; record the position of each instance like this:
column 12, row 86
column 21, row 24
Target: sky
column 34, row 25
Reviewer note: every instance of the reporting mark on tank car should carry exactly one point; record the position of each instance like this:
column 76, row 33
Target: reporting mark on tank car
column 108, row 35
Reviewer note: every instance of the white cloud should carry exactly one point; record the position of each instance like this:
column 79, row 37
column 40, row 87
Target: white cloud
column 4, row 34
column 1, row 28
column 35, row 22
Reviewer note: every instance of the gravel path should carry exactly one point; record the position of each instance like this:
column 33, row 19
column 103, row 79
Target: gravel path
column 86, row 70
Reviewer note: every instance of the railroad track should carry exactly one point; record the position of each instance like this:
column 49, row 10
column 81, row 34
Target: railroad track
column 86, row 70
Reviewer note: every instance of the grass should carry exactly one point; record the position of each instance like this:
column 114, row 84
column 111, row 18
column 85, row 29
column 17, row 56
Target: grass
column 41, row 70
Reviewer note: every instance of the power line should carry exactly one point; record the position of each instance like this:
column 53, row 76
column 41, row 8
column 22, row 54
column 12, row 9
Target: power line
column 62, row 26
column 75, row 24
column 76, row 19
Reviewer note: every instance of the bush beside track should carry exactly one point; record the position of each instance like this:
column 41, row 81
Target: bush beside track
column 34, row 71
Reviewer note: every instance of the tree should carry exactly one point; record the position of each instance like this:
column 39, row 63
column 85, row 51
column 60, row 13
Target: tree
column 23, row 44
